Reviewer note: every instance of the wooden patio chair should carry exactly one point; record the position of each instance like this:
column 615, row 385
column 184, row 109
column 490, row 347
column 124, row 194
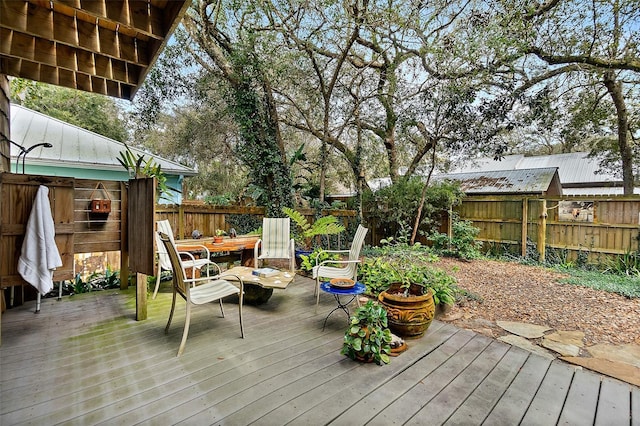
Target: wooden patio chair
column 164, row 263
column 198, row 291
column 348, row 268
column 275, row 242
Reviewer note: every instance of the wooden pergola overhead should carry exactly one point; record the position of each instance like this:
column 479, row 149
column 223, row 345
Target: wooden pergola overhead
column 99, row 46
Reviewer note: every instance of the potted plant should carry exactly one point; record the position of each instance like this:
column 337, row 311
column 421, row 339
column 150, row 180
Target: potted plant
column 407, row 293
column 368, row 338
column 218, row 236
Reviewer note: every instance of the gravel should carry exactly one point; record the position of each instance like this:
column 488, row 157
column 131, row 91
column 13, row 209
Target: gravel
column 510, row 291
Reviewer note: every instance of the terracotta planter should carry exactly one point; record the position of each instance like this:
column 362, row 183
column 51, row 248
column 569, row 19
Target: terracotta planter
column 217, row 240
column 409, row 316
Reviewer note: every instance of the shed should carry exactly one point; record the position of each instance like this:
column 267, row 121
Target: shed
column 578, row 173
column 543, row 181
column 79, row 153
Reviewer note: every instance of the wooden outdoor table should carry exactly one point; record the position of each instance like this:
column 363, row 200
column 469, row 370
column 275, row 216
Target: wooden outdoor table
column 242, row 243
column 258, row 290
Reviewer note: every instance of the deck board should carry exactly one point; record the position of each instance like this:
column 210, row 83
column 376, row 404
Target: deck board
column 85, row 360
column 614, row 403
column 547, row 403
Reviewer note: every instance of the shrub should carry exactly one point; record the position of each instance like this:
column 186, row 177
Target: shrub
column 463, row 242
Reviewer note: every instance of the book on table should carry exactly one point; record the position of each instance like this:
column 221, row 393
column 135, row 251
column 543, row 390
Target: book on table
column 265, row 272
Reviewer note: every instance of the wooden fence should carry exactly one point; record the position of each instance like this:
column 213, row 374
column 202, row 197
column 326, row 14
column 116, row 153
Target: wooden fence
column 189, row 216
column 596, row 226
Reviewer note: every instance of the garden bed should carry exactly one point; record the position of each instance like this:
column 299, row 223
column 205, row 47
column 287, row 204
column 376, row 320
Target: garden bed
column 513, row 292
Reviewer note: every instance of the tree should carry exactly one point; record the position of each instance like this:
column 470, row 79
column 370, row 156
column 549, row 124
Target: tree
column 93, row 112
column 222, row 40
column 574, row 46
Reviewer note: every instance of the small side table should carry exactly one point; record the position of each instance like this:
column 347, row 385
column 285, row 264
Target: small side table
column 354, row 291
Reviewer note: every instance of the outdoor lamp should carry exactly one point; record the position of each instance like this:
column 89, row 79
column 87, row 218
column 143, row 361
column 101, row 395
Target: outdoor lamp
column 28, row 150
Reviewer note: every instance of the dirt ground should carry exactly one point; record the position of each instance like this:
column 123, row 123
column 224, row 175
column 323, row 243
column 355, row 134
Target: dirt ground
column 509, row 291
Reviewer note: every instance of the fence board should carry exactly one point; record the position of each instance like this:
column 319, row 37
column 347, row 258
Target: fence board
column 614, row 230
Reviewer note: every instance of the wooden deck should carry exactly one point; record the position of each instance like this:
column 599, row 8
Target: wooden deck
column 84, row 360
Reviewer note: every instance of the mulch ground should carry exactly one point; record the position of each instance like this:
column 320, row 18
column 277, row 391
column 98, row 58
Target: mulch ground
column 509, row 291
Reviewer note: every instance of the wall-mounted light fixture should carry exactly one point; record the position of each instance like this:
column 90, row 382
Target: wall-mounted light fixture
column 24, row 152
column 28, row 150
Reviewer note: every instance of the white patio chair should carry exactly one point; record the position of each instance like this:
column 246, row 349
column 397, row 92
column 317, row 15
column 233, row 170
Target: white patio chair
column 348, row 268
column 198, row 291
column 164, row 263
column 275, row 242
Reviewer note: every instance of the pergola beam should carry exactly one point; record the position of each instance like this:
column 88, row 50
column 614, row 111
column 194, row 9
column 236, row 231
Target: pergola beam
column 102, row 46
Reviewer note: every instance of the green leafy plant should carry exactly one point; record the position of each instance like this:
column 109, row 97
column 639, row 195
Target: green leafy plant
column 325, row 225
column 368, row 338
column 463, row 242
column 308, row 261
column 378, row 275
column 140, row 167
column 220, row 233
column 625, row 264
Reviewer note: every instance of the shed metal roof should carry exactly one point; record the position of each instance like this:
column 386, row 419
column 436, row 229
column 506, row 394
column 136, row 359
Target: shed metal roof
column 573, row 168
column 527, row 181
column 73, row 146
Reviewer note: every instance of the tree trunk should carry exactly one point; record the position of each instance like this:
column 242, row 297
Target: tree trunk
column 615, row 91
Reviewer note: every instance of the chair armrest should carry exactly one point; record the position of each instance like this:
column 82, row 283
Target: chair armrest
column 236, row 278
column 329, row 251
column 204, row 248
column 256, row 247
column 338, row 261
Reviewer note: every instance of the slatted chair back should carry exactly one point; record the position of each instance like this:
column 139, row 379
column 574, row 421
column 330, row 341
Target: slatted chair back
column 275, row 238
column 179, row 274
column 340, row 268
column 276, row 241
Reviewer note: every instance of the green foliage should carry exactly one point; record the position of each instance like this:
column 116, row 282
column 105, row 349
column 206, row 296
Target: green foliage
column 324, row 225
column 625, row 264
column 95, row 282
column 244, row 223
column 627, row 286
column 309, row 261
column 462, row 244
column 401, row 263
column 395, row 207
column 259, row 149
column 218, row 200
column 97, row 113
column 138, row 166
column 368, row 337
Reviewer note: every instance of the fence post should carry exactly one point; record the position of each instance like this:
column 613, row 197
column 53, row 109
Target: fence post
column 542, row 230
column 525, row 217
column 180, row 222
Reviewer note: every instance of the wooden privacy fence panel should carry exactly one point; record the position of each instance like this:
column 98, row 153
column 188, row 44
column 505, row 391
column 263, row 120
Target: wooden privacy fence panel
column 613, row 228
column 18, row 193
column 184, row 219
column 141, row 226
column 97, row 232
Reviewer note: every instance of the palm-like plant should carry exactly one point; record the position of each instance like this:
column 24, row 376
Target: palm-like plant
column 325, row 225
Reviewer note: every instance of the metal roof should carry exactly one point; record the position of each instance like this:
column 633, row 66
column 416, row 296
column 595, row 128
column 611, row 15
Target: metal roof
column 573, row 168
column 527, row 181
column 73, row 146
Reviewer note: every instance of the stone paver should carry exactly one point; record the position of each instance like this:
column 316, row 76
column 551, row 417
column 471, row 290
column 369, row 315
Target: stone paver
column 564, row 349
column 575, row 338
column 523, row 343
column 621, row 371
column 629, row 354
column 530, row 331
